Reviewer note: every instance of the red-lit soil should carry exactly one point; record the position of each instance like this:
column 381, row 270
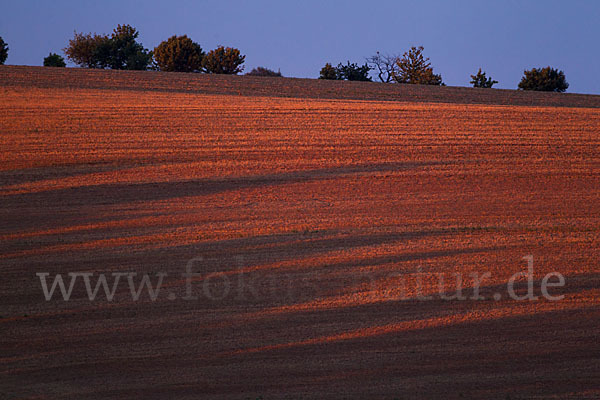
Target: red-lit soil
column 328, row 208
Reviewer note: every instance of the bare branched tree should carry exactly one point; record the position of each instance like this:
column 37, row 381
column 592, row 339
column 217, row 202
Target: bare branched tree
column 384, row 65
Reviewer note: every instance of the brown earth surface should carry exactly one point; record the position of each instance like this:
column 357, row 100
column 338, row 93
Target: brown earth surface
column 326, row 222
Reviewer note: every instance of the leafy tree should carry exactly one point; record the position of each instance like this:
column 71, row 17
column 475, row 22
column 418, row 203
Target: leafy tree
column 82, row 49
column 122, row 51
column 261, row 71
column 544, row 79
column 180, row 54
column 385, row 66
column 223, row 60
column 353, row 72
column 416, row 69
column 479, row 80
column 119, row 51
column 329, row 72
column 54, row 60
column 3, row 51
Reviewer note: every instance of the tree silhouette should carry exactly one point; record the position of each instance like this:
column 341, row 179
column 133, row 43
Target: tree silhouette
column 384, row 65
column 479, row 80
column 3, row 51
column 544, row 79
column 353, row 72
column 54, row 60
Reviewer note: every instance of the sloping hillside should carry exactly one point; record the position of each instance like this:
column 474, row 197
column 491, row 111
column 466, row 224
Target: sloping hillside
column 325, row 224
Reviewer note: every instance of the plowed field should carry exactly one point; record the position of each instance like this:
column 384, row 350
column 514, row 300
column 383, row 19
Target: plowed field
column 325, row 223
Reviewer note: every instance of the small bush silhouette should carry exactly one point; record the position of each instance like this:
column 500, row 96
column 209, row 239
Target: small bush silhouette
column 353, row 72
column 479, row 80
column 3, row 51
column 54, row 60
column 544, row 79
column 350, row 72
column 262, row 71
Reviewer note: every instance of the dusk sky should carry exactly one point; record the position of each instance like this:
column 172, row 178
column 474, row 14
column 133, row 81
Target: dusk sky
column 299, row 37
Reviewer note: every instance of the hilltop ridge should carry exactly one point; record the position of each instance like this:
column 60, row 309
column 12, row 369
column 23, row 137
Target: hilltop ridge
column 45, row 77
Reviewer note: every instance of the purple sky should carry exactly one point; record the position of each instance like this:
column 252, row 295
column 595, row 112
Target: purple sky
column 503, row 37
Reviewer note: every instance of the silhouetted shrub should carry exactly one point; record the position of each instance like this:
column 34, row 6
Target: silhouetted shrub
column 3, row 51
column 54, row 60
column 544, row 79
column 479, row 80
column 179, row 54
column 353, row 72
column 223, row 60
column 350, row 72
column 262, row 71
